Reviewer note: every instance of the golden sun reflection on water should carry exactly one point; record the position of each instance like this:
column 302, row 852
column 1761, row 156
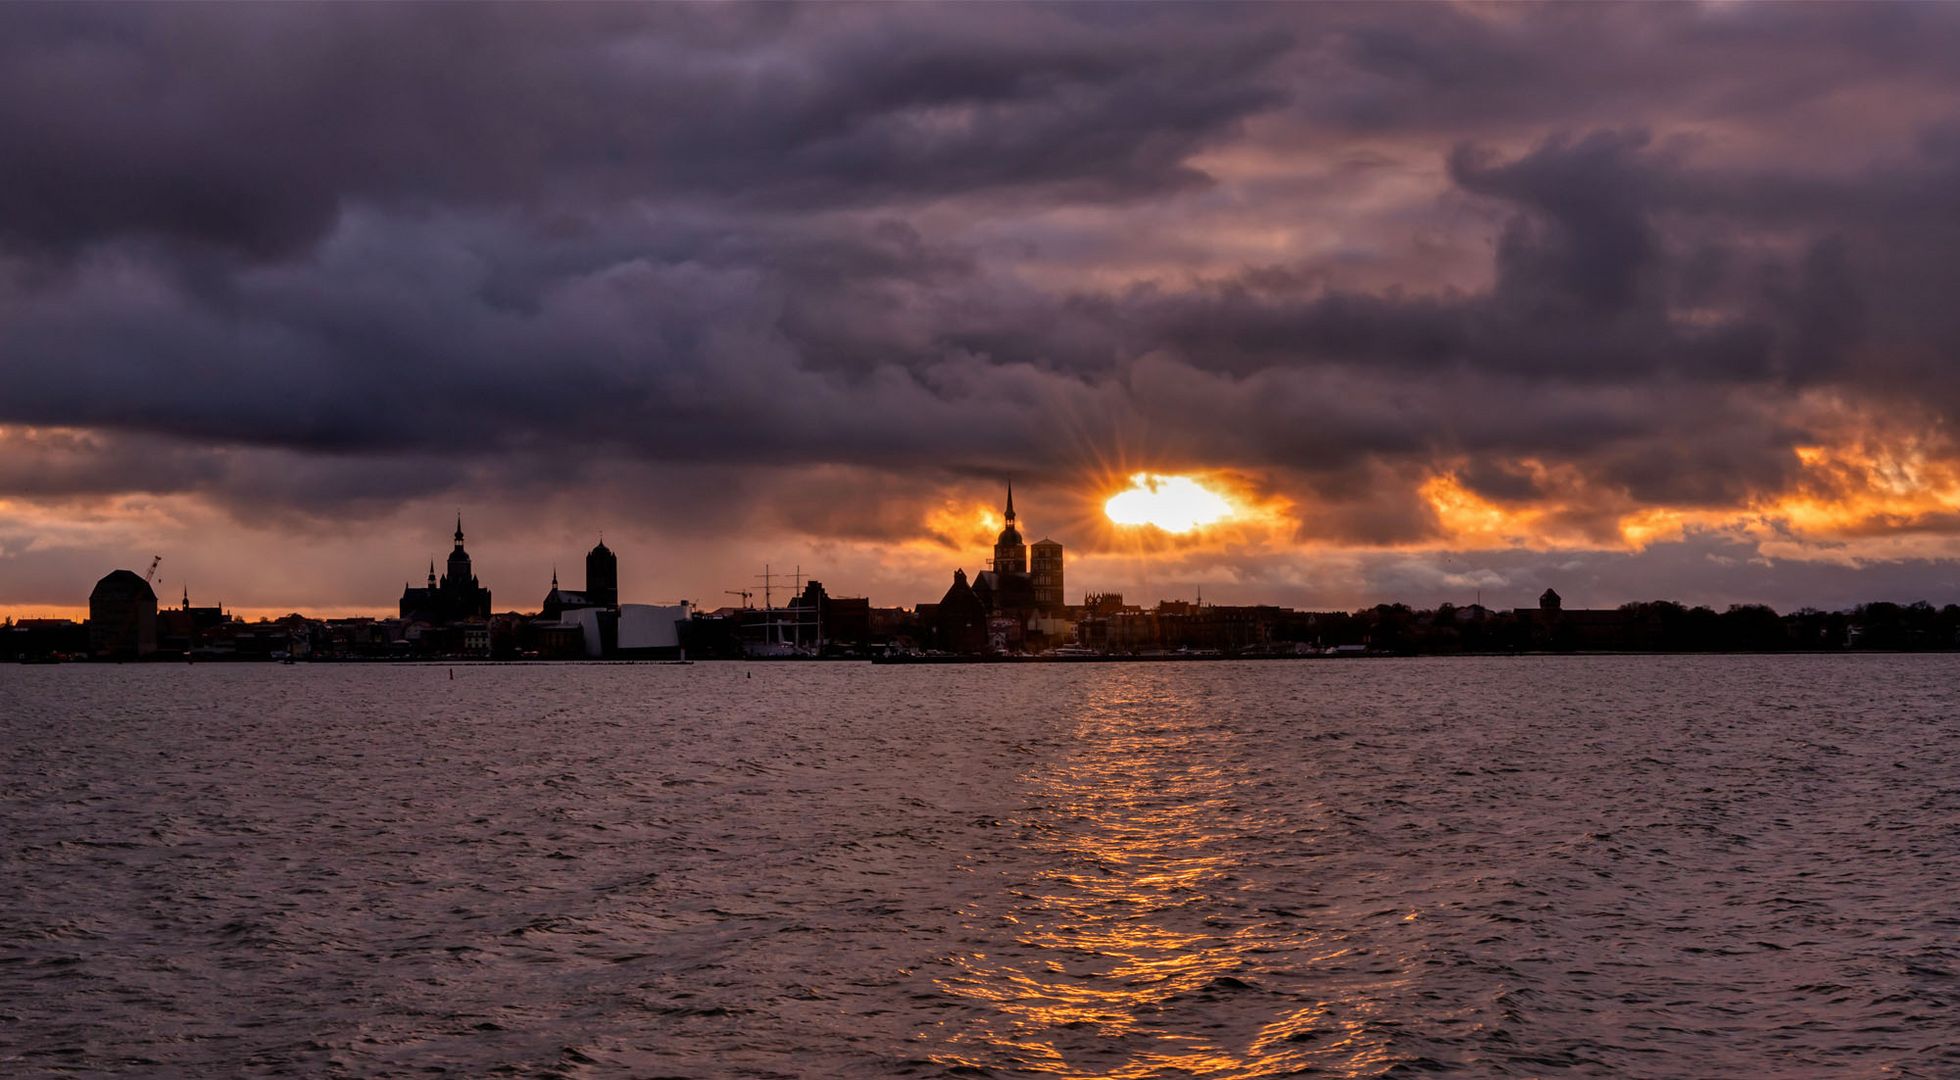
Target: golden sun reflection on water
column 1125, row 955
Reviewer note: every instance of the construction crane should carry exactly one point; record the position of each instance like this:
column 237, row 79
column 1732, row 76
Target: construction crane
column 150, row 578
column 743, row 593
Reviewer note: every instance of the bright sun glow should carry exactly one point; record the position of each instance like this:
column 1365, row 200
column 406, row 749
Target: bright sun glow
column 1175, row 504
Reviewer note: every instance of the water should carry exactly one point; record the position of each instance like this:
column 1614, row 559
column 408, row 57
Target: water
column 1614, row 866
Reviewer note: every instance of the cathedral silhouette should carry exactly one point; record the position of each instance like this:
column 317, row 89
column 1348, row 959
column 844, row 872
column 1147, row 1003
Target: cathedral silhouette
column 455, row 597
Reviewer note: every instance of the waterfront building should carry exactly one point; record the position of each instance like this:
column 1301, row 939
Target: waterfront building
column 476, row 639
column 122, row 617
column 847, row 622
column 182, row 629
column 544, row 639
column 28, row 639
column 1552, row 625
column 652, row 631
column 831, row 621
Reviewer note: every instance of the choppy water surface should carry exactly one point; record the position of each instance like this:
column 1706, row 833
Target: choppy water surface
column 1622, row 866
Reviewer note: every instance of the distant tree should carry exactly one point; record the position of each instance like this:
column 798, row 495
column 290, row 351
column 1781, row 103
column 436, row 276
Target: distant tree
column 1754, row 627
column 1809, row 628
column 1701, row 629
column 1881, row 625
column 1949, row 627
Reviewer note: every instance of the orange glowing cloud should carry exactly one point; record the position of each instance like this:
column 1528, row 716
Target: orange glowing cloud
column 1867, row 497
column 958, row 525
column 1470, row 520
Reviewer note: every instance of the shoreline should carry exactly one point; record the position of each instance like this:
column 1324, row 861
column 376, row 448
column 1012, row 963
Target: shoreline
column 909, row 661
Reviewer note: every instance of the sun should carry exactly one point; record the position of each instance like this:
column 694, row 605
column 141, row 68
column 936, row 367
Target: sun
column 1175, row 504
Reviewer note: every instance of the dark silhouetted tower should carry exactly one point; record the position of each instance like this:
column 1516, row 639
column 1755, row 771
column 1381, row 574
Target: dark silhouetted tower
column 122, row 616
column 1010, row 552
column 602, row 576
column 1046, row 569
column 459, row 560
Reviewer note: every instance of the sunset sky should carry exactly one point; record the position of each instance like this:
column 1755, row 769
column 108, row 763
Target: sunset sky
column 1633, row 301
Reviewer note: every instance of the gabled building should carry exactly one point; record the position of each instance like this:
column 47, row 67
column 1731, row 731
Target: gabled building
column 959, row 620
column 558, row 601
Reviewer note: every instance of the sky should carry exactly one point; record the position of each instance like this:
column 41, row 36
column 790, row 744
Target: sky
column 1447, row 302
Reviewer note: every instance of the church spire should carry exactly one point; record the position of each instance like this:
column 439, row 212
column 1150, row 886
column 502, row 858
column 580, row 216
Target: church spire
column 554, row 577
column 459, row 528
column 432, row 572
column 1010, row 502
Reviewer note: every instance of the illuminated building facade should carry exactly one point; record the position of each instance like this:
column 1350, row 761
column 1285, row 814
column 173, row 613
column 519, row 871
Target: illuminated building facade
column 1046, row 570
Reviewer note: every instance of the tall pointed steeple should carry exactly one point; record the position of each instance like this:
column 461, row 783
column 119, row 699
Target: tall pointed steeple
column 459, row 528
column 432, row 572
column 554, row 576
column 1010, row 551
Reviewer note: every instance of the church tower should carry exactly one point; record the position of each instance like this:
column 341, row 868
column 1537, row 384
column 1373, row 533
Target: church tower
column 456, row 597
column 1010, row 552
column 1046, row 566
column 602, row 576
column 459, row 562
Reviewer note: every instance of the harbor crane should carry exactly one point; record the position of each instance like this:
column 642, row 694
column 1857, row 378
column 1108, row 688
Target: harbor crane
column 743, row 593
column 150, row 577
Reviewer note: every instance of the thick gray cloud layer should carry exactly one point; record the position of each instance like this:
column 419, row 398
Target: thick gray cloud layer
column 386, row 252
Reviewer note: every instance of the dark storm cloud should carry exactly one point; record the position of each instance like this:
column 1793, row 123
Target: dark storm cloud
column 385, row 252
column 253, row 129
column 1467, row 71
column 71, row 463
